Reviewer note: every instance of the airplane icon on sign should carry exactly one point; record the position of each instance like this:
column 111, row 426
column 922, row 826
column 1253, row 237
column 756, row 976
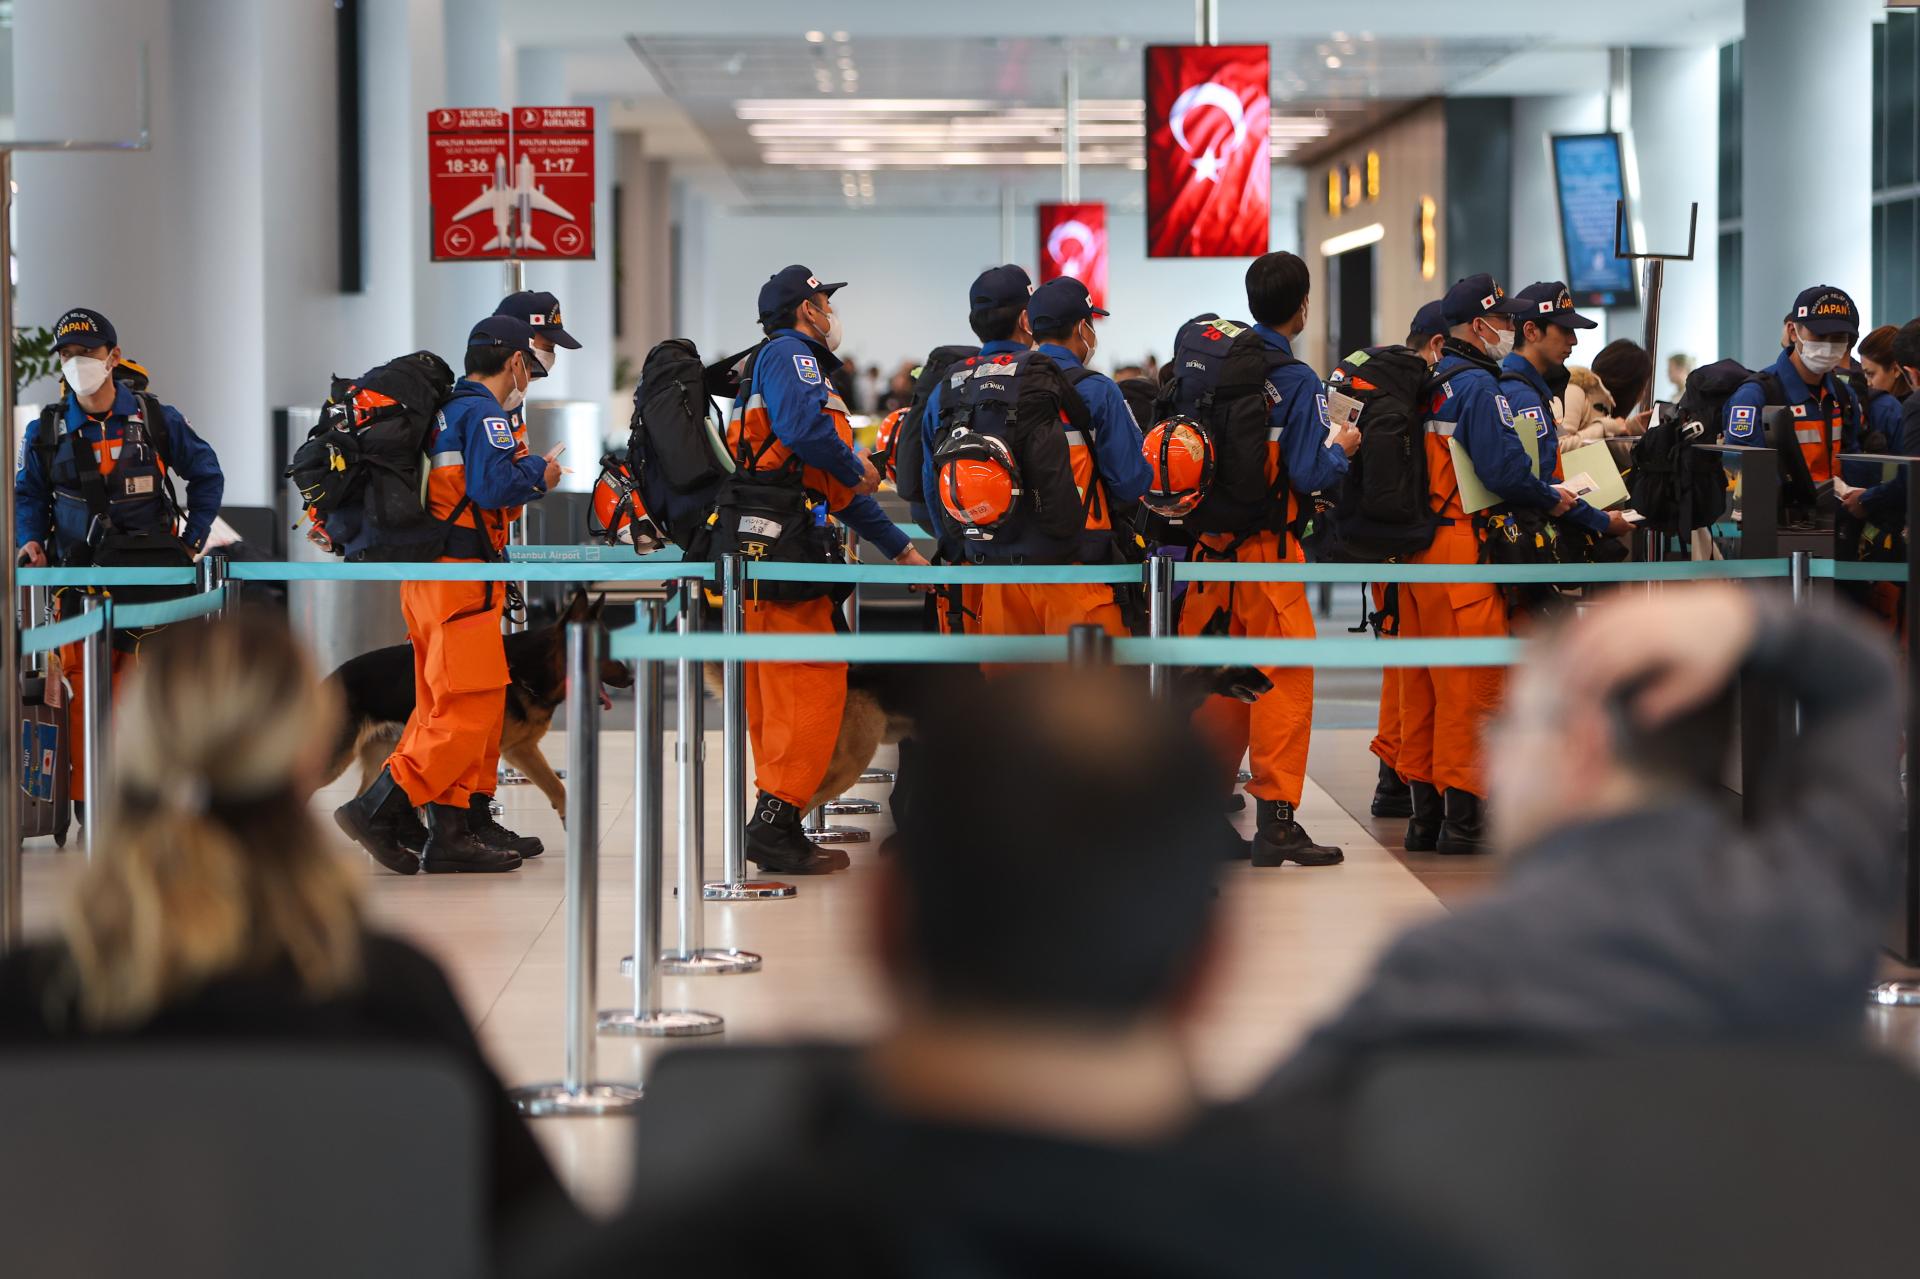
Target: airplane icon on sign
column 501, row 198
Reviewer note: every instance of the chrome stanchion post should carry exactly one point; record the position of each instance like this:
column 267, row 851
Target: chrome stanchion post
column 210, row 574
column 1089, row 645
column 646, row 1017
column 1160, row 622
column 733, row 884
column 96, row 658
column 578, row 1093
column 1800, row 575
column 692, row 958
column 814, row 826
column 36, row 615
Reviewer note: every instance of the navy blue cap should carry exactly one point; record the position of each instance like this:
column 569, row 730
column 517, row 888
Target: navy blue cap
column 788, row 288
column 1058, row 303
column 1825, row 311
column 999, row 286
column 503, row 330
column 1549, row 302
column 541, row 313
column 82, row 327
column 1429, row 320
column 1473, row 297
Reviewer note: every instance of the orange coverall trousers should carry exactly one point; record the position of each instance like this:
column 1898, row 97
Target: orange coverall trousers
column 460, row 691
column 793, row 708
column 1444, row 709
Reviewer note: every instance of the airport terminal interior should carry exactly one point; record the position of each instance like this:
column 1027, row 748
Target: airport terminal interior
column 1137, row 637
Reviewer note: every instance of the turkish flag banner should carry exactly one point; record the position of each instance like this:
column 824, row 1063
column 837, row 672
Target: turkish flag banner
column 1209, row 173
column 1073, row 241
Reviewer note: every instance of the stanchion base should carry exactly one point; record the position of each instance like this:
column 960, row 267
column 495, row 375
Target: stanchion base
column 838, row 835
column 1242, row 777
column 875, row 776
column 1895, row 994
column 709, row 963
column 850, row 808
column 539, row 1101
column 747, row 890
column 508, row 776
column 666, row 1023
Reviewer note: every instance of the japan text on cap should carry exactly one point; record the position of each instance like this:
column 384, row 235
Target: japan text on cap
column 541, row 313
column 787, row 289
column 1826, row 311
column 82, row 327
column 1549, row 302
column 1473, row 297
column 1058, row 303
column 1428, row 320
column 999, row 286
column 503, row 330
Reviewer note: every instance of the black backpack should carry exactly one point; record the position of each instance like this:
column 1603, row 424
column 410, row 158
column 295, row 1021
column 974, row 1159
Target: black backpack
column 1382, row 512
column 1675, row 485
column 362, row 473
column 1220, row 380
column 676, row 440
column 1014, row 409
column 909, row 443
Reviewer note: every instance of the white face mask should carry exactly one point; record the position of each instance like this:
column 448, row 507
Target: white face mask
column 546, row 358
column 1821, row 358
column 1093, row 343
column 85, row 374
column 1502, row 345
column 833, row 333
column 514, row 398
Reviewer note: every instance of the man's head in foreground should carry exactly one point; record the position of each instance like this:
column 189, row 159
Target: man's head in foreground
column 1627, row 707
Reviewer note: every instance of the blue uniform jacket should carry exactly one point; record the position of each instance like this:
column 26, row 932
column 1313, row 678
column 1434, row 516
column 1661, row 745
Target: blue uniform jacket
column 1117, row 450
column 1532, row 402
column 1470, row 400
column 473, row 424
column 188, row 456
column 791, row 376
column 930, row 425
column 1745, row 428
column 1300, row 411
column 1899, row 421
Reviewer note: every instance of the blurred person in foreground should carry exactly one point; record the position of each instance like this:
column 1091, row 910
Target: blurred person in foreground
column 217, row 908
column 1638, row 907
column 1047, row 930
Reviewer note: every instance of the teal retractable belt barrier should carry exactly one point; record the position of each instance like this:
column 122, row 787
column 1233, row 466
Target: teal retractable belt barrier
column 1494, row 574
column 41, row 639
column 633, row 570
column 945, row 574
column 1847, row 571
column 106, row 576
column 68, row 630
column 593, row 555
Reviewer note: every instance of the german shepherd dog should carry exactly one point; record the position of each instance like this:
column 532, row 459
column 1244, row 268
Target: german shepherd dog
column 377, row 691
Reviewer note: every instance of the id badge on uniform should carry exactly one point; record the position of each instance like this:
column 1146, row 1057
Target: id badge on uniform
column 139, row 485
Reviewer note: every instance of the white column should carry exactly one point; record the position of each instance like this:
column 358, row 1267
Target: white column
column 474, row 78
column 646, row 242
column 1676, row 142
column 1807, row 153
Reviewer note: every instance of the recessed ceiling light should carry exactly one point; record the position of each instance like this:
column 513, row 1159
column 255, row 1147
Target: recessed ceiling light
column 840, row 37
column 1333, row 63
column 815, row 37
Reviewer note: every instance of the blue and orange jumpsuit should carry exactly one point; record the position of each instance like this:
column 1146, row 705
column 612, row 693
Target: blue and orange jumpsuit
column 50, row 509
column 791, row 410
column 1274, row 731
column 479, row 472
column 1824, row 416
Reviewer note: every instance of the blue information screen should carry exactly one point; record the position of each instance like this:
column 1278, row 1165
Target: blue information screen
column 1588, row 173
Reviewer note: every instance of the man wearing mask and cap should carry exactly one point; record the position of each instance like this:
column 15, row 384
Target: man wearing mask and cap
column 789, row 431
column 1444, row 710
column 478, row 473
column 1815, row 338
column 541, row 313
column 1428, row 332
column 100, row 462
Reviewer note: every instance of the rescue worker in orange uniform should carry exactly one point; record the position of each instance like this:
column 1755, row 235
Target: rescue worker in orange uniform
column 98, row 463
column 1311, row 454
column 1108, row 470
column 789, row 431
column 1444, row 710
column 479, row 472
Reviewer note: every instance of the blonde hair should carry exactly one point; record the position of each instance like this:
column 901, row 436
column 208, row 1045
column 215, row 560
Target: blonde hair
column 210, row 862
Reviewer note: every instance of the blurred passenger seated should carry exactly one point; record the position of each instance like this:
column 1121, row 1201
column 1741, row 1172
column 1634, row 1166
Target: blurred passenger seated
column 216, row 908
column 1638, row 908
column 1046, row 930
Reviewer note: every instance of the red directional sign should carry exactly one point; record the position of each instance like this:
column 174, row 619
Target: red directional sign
column 515, row 184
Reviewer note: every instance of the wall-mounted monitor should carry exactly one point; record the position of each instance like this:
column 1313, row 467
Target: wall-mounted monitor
column 1589, row 177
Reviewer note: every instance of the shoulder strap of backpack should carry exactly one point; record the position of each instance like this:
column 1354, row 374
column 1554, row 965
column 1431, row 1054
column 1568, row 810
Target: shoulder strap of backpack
column 153, row 416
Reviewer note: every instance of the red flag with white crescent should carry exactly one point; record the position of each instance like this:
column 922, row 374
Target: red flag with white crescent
column 1073, row 241
column 1209, row 173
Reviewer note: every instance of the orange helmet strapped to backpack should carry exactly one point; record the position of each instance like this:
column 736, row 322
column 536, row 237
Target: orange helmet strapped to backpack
column 1180, row 456
column 885, row 441
column 979, row 482
column 618, row 515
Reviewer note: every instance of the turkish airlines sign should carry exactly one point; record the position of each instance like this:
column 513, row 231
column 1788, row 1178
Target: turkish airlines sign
column 510, row 184
column 1073, row 241
column 1209, row 171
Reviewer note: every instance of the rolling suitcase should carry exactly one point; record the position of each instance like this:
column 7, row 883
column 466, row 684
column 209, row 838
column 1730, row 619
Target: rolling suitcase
column 44, row 809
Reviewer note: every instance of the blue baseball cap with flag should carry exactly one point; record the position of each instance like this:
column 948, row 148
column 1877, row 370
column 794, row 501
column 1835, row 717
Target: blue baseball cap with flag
column 541, row 313
column 1058, row 303
column 1826, row 311
column 1429, row 321
column 84, row 327
column 788, row 288
column 1550, row 302
column 503, row 330
column 999, row 286
column 1473, row 297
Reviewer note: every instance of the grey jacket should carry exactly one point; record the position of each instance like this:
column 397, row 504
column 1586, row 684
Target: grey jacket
column 1678, row 923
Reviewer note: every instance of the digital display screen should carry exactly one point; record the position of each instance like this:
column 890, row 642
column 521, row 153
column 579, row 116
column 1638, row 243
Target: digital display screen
column 1590, row 181
column 1073, row 241
column 1209, row 168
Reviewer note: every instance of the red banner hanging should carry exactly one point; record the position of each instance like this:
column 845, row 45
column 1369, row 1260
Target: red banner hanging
column 1209, row 171
column 1073, row 241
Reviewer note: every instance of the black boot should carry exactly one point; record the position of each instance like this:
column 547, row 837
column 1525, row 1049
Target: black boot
column 775, row 842
column 378, row 820
column 488, row 830
column 1464, row 830
column 1235, row 802
column 1282, row 840
column 1391, row 798
column 452, row 847
column 1423, row 830
column 1234, row 846
column 413, row 832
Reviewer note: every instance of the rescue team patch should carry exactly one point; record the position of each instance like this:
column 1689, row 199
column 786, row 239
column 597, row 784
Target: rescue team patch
column 1506, row 409
column 499, row 434
column 808, row 368
column 1272, row 394
column 1326, row 418
column 1799, row 410
column 1537, row 416
column 1743, row 419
